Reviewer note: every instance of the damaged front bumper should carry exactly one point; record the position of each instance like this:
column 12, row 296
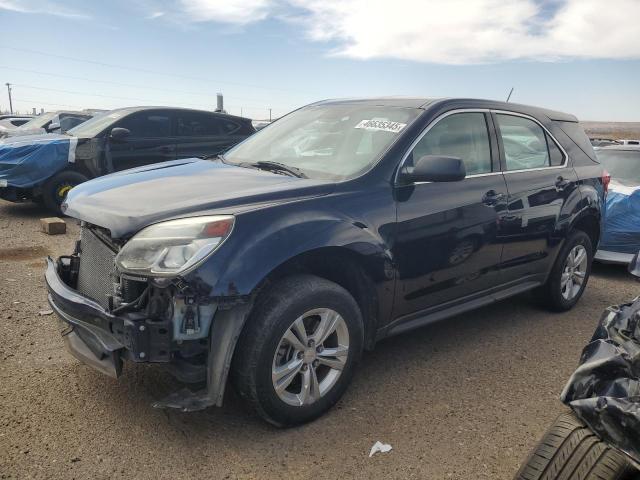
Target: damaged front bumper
column 102, row 340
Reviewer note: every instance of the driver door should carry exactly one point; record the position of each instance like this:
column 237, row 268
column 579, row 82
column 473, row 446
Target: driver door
column 447, row 246
column 150, row 140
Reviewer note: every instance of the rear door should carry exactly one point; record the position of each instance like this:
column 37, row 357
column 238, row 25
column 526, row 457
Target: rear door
column 150, row 140
column 446, row 246
column 202, row 133
column 539, row 182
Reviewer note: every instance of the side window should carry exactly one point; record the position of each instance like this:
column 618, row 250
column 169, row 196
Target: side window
column 229, row 127
column 526, row 144
column 462, row 135
column 147, row 124
column 556, row 157
column 194, row 124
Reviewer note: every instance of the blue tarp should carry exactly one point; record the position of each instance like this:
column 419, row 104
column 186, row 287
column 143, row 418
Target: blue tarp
column 621, row 226
column 29, row 161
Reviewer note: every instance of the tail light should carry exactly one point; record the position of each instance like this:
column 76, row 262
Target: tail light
column 606, row 178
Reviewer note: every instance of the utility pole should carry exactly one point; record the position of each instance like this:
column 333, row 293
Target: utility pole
column 9, row 91
column 269, row 113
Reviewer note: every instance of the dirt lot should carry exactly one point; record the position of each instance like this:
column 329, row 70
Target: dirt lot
column 628, row 130
column 463, row 399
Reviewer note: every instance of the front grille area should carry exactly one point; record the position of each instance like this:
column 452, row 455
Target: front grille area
column 97, row 268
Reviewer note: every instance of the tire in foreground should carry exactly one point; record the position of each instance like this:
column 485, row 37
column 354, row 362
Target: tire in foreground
column 569, row 450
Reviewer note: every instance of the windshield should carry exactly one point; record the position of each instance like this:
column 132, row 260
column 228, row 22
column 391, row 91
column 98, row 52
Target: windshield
column 96, row 125
column 38, row 122
column 332, row 142
column 622, row 165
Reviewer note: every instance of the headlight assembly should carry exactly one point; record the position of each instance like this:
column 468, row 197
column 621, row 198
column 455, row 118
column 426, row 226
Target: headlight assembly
column 171, row 248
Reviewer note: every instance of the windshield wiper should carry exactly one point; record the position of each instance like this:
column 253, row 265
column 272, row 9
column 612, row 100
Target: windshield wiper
column 279, row 167
column 209, row 156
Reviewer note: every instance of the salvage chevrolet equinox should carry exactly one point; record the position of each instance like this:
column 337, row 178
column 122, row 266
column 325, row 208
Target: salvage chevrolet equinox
column 344, row 222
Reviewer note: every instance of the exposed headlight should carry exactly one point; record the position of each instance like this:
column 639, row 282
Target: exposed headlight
column 170, row 248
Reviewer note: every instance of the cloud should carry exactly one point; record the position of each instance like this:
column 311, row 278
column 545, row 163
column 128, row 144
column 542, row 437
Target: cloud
column 153, row 15
column 238, row 12
column 41, row 7
column 448, row 31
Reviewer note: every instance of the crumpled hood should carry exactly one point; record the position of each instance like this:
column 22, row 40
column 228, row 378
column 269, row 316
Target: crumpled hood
column 127, row 201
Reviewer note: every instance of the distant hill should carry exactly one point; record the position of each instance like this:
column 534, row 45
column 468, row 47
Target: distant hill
column 612, row 129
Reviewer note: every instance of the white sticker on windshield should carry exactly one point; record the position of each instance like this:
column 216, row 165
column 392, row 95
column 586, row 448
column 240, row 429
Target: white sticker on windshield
column 382, row 125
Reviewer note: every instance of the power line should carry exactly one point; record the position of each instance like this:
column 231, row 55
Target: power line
column 120, row 84
column 80, row 107
column 144, row 70
column 72, row 92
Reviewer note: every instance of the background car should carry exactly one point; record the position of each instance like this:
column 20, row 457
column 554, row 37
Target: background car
column 50, row 122
column 8, row 123
column 603, row 142
column 620, row 238
column 46, row 167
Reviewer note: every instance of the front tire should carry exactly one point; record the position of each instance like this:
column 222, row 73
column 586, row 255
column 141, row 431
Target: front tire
column 55, row 189
column 296, row 356
column 569, row 275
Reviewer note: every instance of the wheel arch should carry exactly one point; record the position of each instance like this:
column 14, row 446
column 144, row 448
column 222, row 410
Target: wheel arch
column 340, row 265
column 589, row 223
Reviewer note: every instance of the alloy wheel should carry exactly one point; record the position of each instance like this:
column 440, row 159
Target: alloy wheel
column 310, row 357
column 574, row 272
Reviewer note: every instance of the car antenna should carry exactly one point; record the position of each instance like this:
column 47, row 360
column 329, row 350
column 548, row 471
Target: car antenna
column 509, row 96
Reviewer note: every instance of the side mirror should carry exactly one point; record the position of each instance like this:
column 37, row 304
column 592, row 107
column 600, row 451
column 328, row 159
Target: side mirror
column 634, row 266
column 436, row 168
column 53, row 126
column 119, row 134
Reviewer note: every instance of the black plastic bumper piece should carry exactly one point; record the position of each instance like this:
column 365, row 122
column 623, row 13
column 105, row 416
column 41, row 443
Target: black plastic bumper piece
column 131, row 336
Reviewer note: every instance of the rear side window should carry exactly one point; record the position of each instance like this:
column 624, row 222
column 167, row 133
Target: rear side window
column 147, row 124
column 194, row 124
column 576, row 133
column 229, row 127
column 462, row 135
column 556, row 157
column 526, row 144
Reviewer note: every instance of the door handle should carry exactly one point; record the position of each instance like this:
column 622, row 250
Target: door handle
column 562, row 183
column 492, row 198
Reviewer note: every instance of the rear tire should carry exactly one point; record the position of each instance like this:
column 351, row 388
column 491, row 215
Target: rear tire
column 55, row 189
column 569, row 450
column 554, row 294
column 272, row 365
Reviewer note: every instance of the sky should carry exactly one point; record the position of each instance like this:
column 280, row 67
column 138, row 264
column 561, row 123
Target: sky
column 578, row 56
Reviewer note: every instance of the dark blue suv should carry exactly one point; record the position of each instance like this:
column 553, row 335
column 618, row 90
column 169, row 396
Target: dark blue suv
column 340, row 224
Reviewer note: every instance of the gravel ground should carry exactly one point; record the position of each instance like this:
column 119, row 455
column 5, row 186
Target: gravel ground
column 463, row 399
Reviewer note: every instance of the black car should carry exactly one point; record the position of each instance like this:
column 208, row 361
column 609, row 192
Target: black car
column 340, row 224
column 46, row 167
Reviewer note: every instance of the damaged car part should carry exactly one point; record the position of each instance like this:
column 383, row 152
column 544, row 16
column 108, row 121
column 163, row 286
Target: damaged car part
column 600, row 437
column 276, row 264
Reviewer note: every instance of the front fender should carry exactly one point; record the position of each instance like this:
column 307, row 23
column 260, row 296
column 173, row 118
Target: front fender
column 262, row 240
